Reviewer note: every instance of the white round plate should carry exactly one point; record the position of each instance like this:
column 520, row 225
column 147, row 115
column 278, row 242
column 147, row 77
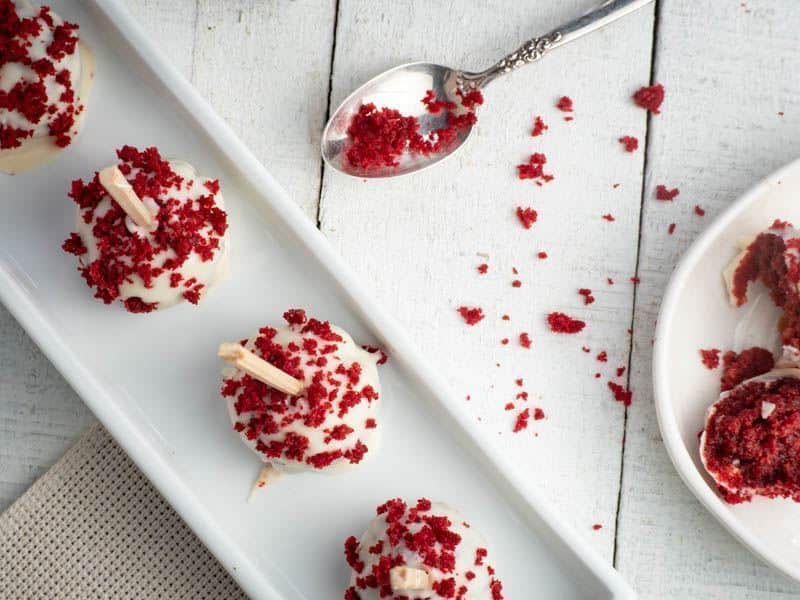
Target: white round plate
column 696, row 313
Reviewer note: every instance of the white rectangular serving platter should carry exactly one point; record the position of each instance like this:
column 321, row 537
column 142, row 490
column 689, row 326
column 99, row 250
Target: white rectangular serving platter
column 153, row 380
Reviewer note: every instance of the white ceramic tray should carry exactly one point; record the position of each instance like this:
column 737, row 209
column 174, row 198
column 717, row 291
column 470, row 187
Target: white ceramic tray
column 696, row 313
column 153, row 379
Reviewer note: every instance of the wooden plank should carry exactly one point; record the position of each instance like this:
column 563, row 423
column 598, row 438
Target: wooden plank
column 729, row 68
column 418, row 240
column 265, row 67
column 40, row 416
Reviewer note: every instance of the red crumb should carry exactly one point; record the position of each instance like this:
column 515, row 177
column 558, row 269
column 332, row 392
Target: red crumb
column 662, row 193
column 525, row 342
column 434, row 105
column 650, row 97
column 609, row 217
column 542, row 255
column 603, row 356
column 570, row 118
column 539, row 127
column 620, row 371
column 631, row 143
column 609, row 281
column 471, row 315
column 597, row 375
column 635, row 280
column 483, row 268
column 564, row 104
column 597, row 526
column 509, row 406
column 671, row 228
column 506, row 318
column 527, row 216
column 587, row 295
column 504, row 341
column 699, row 211
column 620, row 393
column 538, row 414
column 534, row 169
column 561, row 323
column 744, row 365
column 586, row 349
column 519, row 382
column 516, row 283
column 710, row 357
column 522, row 420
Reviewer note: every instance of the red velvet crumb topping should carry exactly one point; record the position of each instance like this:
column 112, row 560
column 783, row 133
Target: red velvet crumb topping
column 737, row 367
column 710, row 357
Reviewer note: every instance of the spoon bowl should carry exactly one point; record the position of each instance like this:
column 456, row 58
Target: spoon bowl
column 401, row 88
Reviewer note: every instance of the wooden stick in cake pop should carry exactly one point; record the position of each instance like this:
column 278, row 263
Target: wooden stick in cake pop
column 267, row 476
column 408, row 579
column 258, row 368
column 122, row 193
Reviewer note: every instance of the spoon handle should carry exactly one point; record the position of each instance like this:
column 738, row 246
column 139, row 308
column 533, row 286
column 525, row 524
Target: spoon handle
column 535, row 48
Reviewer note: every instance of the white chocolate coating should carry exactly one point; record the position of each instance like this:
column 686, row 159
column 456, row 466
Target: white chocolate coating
column 475, row 581
column 161, row 290
column 41, row 146
column 318, row 435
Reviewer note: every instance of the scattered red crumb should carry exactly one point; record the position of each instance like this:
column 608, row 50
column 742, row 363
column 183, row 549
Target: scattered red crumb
column 524, row 341
column 509, row 406
column 564, row 104
column 538, row 414
column 519, row 382
column 587, row 295
column 597, row 526
column 483, row 268
column 470, row 99
column 506, row 318
column 699, row 211
column 620, row 393
column 603, row 356
column 504, row 341
column 635, row 280
column 743, row 365
column 570, row 118
column 534, row 169
column 539, row 127
column 615, row 185
column 597, row 375
column 609, row 281
column 586, row 349
column 671, row 228
column 620, row 371
column 780, row 113
column 522, row 420
column 527, row 216
column 650, row 97
column 609, row 217
column 516, row 283
column 561, row 323
column 471, row 315
column 710, row 357
column 662, row 193
column 541, row 255
column 514, row 270
column 631, row 143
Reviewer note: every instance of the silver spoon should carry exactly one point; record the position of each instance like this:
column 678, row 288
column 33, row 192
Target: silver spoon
column 403, row 87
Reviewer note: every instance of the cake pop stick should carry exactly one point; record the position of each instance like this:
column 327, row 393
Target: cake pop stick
column 407, row 579
column 122, row 193
column 256, row 367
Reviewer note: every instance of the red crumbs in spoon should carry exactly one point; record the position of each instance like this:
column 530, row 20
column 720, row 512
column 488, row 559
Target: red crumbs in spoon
column 561, row 323
column 650, row 97
column 744, row 365
column 471, row 315
column 710, row 358
column 631, row 143
column 662, row 193
column 378, row 137
column 527, row 216
column 539, row 127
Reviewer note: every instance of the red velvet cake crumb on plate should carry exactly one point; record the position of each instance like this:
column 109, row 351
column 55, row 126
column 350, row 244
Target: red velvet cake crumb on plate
column 737, row 367
column 561, row 323
column 751, row 439
column 710, row 357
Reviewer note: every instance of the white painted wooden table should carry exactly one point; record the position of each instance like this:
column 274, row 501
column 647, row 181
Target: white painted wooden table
column 274, row 69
